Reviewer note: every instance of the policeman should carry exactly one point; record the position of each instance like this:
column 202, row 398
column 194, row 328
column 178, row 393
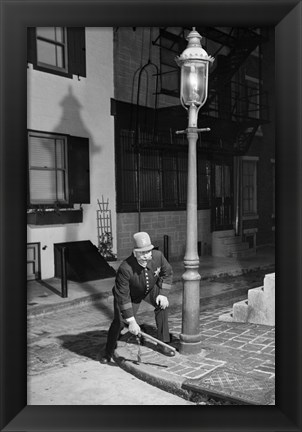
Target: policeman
column 144, row 275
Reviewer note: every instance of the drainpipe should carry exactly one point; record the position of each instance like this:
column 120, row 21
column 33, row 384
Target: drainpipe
column 166, row 247
column 237, row 209
column 137, row 143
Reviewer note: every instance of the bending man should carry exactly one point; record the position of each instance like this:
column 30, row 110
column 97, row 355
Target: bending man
column 144, row 275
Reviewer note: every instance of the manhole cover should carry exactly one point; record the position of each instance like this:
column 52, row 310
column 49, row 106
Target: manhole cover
column 223, row 382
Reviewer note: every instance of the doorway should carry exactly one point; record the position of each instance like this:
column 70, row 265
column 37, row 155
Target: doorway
column 222, row 208
column 33, row 261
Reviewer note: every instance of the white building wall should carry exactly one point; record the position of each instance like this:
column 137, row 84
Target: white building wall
column 78, row 107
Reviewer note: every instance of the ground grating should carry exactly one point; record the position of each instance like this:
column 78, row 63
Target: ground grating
column 234, row 386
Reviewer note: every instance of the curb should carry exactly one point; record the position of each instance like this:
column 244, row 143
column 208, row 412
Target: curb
column 71, row 304
column 157, row 379
column 175, row 385
column 93, row 298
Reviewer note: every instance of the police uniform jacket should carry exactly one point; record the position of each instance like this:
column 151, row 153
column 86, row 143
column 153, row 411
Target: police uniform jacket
column 133, row 282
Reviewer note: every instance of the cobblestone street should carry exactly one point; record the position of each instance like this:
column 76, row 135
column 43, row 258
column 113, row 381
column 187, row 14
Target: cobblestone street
column 65, row 337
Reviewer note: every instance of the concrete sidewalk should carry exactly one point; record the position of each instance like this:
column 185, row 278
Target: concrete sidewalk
column 45, row 296
column 236, row 364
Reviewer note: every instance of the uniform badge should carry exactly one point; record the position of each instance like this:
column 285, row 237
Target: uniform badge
column 157, row 271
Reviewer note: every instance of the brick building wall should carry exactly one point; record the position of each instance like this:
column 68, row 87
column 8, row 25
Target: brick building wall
column 158, row 224
column 131, row 52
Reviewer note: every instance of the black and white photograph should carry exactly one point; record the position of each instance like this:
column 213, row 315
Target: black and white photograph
column 151, row 215
column 155, row 225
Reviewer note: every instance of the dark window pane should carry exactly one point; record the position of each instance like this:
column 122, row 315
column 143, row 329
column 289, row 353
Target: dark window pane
column 42, row 152
column 42, row 186
column 50, row 54
column 47, row 32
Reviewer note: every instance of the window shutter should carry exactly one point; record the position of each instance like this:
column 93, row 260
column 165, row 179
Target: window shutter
column 78, row 170
column 31, row 45
column 76, row 51
column 28, row 186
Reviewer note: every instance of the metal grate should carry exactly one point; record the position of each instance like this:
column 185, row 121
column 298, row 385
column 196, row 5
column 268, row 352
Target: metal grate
column 244, row 388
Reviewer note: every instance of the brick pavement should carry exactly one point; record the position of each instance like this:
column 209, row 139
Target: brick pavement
column 237, row 361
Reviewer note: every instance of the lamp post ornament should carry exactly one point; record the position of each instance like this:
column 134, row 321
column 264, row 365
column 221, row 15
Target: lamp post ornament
column 194, row 63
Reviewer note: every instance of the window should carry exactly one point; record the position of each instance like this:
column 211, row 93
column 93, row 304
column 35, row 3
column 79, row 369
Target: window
column 249, row 186
column 52, row 47
column 161, row 181
column 47, row 169
column 57, row 50
column 58, row 170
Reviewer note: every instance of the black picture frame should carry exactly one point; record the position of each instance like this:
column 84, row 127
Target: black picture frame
column 16, row 16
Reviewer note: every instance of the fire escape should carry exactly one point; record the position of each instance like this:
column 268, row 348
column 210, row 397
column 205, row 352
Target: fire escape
column 236, row 107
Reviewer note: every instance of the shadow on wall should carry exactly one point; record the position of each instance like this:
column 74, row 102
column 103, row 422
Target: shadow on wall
column 71, row 120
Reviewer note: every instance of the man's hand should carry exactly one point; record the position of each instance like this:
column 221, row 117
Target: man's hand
column 162, row 301
column 133, row 327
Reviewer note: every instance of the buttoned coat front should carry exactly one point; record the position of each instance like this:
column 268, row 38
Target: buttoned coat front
column 133, row 282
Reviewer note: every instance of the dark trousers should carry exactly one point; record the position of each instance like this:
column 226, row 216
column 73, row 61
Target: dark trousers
column 118, row 323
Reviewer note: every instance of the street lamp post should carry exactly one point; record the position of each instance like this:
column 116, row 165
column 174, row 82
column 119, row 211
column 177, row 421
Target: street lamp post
column 194, row 63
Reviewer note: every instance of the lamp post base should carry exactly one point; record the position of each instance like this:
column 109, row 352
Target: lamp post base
column 190, row 347
column 190, row 338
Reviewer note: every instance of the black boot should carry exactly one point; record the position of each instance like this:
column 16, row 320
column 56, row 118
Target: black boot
column 104, row 358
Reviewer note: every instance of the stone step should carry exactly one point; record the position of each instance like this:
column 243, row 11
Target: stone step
column 226, row 244
column 243, row 253
column 228, row 250
column 255, row 295
column 262, row 311
column 230, row 240
column 226, row 233
column 269, row 283
column 236, row 247
column 241, row 311
column 259, row 308
column 227, row 317
column 262, row 303
column 225, row 250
